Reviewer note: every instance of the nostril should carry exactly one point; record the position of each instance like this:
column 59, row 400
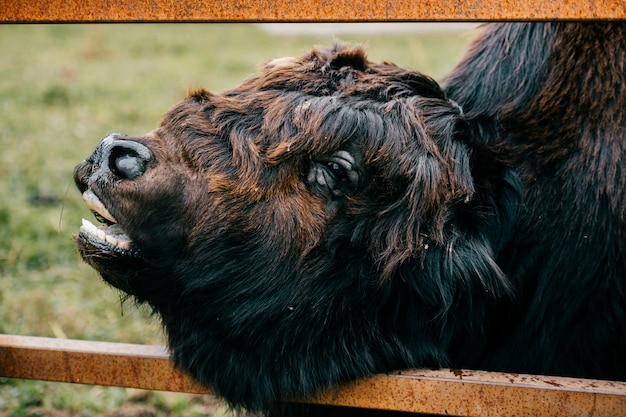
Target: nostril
column 122, row 157
column 126, row 163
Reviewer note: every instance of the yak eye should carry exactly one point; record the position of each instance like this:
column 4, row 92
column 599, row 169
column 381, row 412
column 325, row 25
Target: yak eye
column 336, row 172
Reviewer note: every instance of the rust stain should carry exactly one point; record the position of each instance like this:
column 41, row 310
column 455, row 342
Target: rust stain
column 17, row 11
column 555, row 384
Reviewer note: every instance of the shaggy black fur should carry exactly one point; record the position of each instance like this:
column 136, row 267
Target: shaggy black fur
column 333, row 218
column 555, row 95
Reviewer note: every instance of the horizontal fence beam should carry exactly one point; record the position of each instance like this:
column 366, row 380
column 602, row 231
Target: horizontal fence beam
column 31, row 11
column 444, row 391
column 89, row 362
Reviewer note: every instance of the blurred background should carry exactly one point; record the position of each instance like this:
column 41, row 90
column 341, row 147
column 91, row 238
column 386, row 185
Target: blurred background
column 65, row 87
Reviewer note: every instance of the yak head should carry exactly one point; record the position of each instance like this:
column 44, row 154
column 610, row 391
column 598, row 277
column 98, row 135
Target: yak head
column 315, row 224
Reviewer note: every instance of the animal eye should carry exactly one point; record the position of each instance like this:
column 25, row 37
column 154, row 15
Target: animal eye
column 337, row 170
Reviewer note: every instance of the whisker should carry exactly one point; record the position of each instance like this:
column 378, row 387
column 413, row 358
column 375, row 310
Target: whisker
column 123, row 298
column 64, row 200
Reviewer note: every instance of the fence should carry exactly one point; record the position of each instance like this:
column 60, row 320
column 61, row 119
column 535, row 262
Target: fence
column 446, row 391
column 305, row 11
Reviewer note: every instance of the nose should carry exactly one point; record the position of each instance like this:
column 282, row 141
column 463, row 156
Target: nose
column 125, row 158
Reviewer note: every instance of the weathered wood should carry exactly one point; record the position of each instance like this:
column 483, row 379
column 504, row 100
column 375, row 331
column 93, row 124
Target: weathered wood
column 445, row 391
column 305, row 11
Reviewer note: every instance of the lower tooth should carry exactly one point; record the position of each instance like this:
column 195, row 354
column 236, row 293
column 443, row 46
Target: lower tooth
column 94, row 230
column 90, row 227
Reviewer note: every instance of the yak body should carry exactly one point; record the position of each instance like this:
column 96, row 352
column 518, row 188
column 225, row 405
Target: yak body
column 554, row 96
column 333, row 218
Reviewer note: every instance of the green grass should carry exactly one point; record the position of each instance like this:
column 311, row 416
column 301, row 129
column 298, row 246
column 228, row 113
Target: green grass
column 63, row 88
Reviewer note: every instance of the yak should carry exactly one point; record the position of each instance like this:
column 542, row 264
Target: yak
column 332, row 218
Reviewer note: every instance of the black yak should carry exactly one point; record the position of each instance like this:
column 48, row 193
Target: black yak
column 332, row 218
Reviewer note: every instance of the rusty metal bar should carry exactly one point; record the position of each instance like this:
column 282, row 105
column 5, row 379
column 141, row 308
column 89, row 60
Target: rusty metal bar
column 88, row 362
column 483, row 394
column 445, row 392
column 57, row 11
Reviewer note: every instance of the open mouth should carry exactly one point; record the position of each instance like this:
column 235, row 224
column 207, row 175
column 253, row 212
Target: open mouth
column 109, row 237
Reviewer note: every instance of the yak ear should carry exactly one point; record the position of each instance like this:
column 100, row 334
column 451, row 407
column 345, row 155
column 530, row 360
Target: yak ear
column 438, row 180
column 441, row 248
column 355, row 58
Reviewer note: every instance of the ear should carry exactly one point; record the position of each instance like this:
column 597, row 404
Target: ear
column 353, row 58
column 438, row 178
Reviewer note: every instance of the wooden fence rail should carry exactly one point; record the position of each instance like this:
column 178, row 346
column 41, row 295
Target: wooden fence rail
column 305, row 11
column 444, row 392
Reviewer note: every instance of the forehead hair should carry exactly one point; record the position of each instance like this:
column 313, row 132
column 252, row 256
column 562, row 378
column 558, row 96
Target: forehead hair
column 343, row 71
column 318, row 102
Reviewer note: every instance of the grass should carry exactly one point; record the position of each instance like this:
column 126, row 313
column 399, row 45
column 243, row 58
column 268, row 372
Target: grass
column 62, row 89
